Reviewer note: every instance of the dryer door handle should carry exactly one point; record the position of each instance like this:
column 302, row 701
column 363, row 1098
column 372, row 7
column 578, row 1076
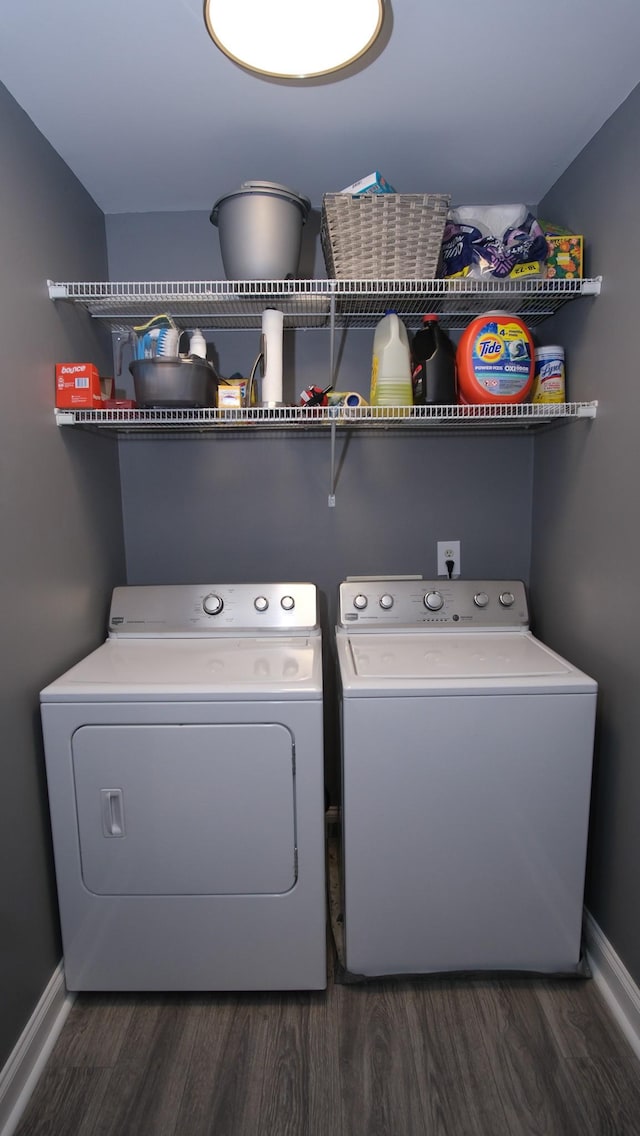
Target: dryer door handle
column 112, row 803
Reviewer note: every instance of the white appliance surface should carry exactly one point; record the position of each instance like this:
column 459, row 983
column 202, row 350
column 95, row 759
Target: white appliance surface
column 466, row 765
column 186, row 787
column 211, row 668
column 453, row 661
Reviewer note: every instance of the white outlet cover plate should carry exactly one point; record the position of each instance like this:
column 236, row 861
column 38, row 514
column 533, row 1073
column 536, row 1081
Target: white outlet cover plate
column 448, row 550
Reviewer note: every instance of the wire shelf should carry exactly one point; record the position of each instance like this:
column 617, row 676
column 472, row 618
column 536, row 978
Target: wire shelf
column 239, row 304
column 469, row 418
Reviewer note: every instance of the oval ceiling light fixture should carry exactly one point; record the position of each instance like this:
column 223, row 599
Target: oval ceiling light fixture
column 271, row 38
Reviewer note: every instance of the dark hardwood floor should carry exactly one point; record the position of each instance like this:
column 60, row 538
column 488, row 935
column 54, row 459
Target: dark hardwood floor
column 438, row 1057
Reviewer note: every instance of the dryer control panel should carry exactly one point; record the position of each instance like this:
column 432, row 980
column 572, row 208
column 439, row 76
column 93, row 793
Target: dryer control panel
column 368, row 602
column 183, row 610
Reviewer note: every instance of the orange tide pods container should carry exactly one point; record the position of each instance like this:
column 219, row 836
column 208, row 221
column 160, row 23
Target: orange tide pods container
column 495, row 360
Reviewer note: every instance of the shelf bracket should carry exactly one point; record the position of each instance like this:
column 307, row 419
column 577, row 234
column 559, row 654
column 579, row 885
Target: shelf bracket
column 592, row 287
column 57, row 291
column 587, row 409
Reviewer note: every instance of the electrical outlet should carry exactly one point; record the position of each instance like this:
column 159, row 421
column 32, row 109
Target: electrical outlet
column 448, row 550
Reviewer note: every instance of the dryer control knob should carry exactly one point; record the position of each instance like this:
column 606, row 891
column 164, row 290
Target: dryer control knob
column 386, row 602
column 360, row 602
column 212, row 604
column 287, row 603
column 481, row 599
column 507, row 599
column 433, row 601
column 261, row 603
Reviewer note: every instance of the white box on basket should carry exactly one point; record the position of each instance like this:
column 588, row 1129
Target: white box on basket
column 372, row 183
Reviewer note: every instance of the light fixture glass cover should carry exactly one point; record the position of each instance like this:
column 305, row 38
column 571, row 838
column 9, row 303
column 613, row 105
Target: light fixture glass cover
column 281, row 38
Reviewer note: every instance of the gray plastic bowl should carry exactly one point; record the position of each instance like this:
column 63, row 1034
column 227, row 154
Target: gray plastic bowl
column 174, row 382
column 260, row 229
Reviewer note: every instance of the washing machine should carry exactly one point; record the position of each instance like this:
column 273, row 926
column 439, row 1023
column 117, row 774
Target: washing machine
column 466, row 772
column 184, row 763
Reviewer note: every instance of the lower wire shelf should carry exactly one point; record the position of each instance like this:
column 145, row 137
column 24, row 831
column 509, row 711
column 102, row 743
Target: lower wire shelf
column 184, row 421
column 209, row 420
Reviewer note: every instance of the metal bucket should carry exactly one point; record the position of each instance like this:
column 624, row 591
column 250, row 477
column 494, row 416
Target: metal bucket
column 174, row 382
column 260, row 230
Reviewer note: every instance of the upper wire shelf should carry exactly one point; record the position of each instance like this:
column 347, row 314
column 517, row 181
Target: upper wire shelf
column 239, row 304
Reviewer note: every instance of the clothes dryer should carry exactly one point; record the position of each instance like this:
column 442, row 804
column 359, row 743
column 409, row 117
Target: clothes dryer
column 466, row 773
column 185, row 770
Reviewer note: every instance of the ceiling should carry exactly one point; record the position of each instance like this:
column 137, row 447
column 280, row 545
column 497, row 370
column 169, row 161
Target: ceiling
column 488, row 100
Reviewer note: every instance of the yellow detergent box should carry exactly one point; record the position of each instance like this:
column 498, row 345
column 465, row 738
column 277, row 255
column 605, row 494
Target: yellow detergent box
column 565, row 259
column 233, row 393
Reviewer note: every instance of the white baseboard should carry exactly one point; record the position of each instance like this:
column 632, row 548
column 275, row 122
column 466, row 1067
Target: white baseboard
column 20, row 1075
column 614, row 982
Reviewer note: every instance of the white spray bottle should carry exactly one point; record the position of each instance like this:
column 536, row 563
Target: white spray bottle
column 198, row 344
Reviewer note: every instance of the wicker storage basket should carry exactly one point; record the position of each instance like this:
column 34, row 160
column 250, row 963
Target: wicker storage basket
column 386, row 236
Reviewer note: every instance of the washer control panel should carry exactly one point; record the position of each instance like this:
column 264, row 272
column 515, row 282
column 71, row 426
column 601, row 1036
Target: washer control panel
column 212, row 609
column 439, row 604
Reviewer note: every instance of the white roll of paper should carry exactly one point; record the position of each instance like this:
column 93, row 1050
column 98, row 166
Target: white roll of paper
column 272, row 337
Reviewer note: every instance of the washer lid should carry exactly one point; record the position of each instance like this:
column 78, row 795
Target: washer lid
column 194, row 670
column 442, row 662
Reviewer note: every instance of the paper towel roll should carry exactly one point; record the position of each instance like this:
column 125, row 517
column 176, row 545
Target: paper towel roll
column 272, row 336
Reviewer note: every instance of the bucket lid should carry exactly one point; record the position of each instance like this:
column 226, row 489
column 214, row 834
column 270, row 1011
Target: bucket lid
column 264, row 188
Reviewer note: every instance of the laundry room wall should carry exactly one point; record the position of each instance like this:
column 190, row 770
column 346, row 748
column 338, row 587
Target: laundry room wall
column 586, row 537
column 256, row 508
column 60, row 517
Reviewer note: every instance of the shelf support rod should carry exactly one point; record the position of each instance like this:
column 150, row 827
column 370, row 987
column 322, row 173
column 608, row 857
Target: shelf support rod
column 332, row 350
column 332, row 479
column 332, row 337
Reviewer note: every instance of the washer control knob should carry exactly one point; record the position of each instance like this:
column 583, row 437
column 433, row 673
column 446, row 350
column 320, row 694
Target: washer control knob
column 287, row 603
column 360, row 602
column 481, row 599
column 507, row 599
column 433, row 601
column 386, row 602
column 212, row 604
column 261, row 603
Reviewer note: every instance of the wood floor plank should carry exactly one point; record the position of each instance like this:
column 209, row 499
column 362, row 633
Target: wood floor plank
column 223, row 1091
column 285, row 1100
column 326, row 1100
column 68, row 1102
column 608, row 1092
column 213, row 1069
column 580, row 1021
column 459, row 1092
column 533, row 1079
column 148, row 1080
column 94, row 1031
column 381, row 1094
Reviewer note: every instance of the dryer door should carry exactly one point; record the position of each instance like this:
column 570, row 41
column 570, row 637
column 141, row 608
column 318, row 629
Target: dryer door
column 186, row 809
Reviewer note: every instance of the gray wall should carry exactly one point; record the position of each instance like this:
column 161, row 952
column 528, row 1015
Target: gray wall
column 60, row 516
column 586, row 536
column 236, row 508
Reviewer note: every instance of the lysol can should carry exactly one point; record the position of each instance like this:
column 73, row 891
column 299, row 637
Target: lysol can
column 549, row 377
